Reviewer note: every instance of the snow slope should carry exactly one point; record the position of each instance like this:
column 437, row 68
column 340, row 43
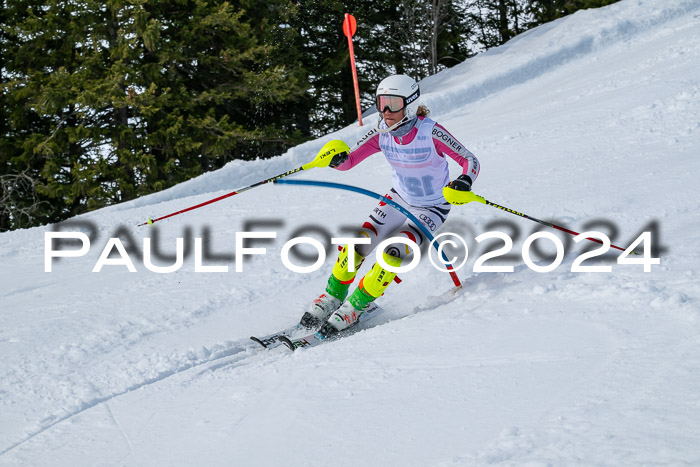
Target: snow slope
column 592, row 122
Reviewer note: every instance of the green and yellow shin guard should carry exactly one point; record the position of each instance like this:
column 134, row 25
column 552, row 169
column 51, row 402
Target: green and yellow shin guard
column 341, row 277
column 374, row 283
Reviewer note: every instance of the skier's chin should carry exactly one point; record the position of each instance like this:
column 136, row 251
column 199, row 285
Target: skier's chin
column 390, row 121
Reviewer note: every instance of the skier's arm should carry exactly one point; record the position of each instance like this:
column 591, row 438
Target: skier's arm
column 448, row 145
column 364, row 148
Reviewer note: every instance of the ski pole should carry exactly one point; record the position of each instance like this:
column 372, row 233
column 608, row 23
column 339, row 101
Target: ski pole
column 463, row 197
column 322, row 159
column 392, row 203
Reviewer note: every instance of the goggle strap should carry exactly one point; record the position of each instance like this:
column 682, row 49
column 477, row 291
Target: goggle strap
column 413, row 97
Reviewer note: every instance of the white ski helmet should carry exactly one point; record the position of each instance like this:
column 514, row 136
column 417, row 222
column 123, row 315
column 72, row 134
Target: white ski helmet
column 401, row 86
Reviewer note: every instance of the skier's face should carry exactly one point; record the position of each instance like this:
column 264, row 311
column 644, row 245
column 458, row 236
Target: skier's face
column 390, row 118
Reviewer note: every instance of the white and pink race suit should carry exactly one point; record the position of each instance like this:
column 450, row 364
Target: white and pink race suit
column 419, row 165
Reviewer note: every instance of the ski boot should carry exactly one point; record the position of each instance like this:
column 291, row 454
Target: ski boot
column 336, row 291
column 348, row 314
column 371, row 286
column 321, row 308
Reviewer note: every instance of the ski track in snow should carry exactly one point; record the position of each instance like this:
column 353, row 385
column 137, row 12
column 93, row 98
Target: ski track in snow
column 592, row 118
column 220, row 356
column 53, row 420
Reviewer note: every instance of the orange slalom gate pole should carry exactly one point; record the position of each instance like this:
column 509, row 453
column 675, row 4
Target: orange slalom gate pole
column 349, row 28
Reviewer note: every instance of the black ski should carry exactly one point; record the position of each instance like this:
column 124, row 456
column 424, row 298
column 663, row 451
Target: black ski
column 273, row 340
column 315, row 339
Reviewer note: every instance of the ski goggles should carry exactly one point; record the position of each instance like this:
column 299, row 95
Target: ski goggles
column 395, row 103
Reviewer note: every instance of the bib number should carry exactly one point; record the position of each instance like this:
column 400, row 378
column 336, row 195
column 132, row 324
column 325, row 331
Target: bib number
column 418, row 187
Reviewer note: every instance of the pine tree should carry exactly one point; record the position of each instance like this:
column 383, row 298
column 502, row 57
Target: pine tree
column 43, row 146
column 544, row 11
column 108, row 101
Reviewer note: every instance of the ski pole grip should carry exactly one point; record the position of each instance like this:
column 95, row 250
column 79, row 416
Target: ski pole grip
column 458, row 197
column 324, row 156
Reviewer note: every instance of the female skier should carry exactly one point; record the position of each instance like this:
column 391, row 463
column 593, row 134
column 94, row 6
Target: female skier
column 415, row 147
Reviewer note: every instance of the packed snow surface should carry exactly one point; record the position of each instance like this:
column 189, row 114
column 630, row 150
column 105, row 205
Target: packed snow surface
column 591, row 122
